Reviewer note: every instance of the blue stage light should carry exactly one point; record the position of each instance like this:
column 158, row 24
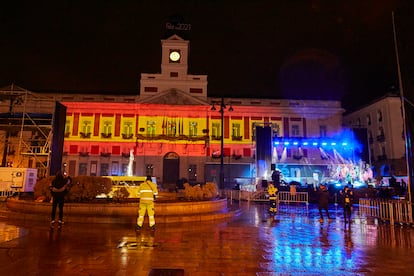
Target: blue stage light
column 324, row 143
column 305, row 143
column 295, row 143
column 286, row 143
column 315, row 143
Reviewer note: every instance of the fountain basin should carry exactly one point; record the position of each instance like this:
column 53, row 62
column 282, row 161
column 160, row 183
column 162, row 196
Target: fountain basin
column 165, row 211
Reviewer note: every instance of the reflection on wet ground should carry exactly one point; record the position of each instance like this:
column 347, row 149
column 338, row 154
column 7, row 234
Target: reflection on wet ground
column 293, row 242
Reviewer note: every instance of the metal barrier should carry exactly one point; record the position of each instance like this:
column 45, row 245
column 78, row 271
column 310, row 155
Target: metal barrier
column 286, row 197
column 5, row 190
column 394, row 211
column 298, row 197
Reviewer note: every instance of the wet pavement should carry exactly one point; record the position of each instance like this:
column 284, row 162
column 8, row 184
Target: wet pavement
column 293, row 243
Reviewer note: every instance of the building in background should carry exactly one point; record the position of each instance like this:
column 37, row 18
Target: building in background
column 382, row 119
column 174, row 131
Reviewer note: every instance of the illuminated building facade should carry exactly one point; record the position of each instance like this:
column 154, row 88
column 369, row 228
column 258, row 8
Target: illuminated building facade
column 384, row 124
column 174, row 132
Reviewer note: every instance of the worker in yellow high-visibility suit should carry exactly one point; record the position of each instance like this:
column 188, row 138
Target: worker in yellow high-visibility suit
column 272, row 192
column 147, row 193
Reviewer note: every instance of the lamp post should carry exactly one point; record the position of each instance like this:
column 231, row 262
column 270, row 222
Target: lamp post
column 221, row 110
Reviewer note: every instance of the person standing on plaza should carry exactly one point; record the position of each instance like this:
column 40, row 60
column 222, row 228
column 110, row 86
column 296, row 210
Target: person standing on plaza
column 272, row 191
column 323, row 201
column 58, row 189
column 347, row 198
column 147, row 193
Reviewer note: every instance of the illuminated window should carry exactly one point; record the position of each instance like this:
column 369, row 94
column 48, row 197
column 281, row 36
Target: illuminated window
column 216, row 131
column 67, row 126
column 151, row 126
column 235, row 132
column 107, row 127
column 86, row 126
column 193, row 129
column 127, row 128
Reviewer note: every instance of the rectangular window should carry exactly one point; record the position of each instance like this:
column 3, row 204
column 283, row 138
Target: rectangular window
column 150, row 89
column 107, row 128
column 216, row 131
column 86, row 127
column 127, row 132
column 83, row 169
column 94, row 165
column 104, row 169
column 368, row 120
column 114, row 168
column 193, row 129
column 236, row 132
column 379, row 114
column 151, row 128
column 322, row 131
column 174, row 74
column 67, row 128
column 275, row 130
column 295, row 131
column 196, row 90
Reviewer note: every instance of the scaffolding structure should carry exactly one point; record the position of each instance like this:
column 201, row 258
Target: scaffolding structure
column 26, row 129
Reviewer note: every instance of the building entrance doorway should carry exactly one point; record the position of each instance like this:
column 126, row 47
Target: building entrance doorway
column 171, row 170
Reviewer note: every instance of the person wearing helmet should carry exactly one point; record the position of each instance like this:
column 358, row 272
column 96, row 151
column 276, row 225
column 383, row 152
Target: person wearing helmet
column 272, row 192
column 147, row 193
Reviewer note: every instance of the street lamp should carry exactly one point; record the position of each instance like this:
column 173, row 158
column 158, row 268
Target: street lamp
column 221, row 110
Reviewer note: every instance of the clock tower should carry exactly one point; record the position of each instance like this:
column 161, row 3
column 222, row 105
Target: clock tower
column 174, row 56
column 174, row 75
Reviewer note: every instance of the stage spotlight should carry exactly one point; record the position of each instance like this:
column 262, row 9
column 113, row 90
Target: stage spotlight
column 333, row 144
column 324, row 143
column 286, row 143
column 305, row 143
column 295, row 143
column 315, row 143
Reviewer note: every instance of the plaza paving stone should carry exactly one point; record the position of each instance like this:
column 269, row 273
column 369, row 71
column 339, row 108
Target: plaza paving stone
column 292, row 243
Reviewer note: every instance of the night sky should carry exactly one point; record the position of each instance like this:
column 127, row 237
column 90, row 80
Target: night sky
column 339, row 50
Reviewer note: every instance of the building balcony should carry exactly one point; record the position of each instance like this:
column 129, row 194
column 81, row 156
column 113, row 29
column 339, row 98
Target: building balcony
column 106, row 135
column 85, row 135
column 105, row 154
column 236, row 138
column 127, row 136
column 83, row 154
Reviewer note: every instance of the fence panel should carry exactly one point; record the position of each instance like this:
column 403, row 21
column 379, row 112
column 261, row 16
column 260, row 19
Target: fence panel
column 394, row 211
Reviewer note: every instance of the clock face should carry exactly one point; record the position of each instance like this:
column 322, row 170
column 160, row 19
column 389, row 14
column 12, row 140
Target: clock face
column 174, row 56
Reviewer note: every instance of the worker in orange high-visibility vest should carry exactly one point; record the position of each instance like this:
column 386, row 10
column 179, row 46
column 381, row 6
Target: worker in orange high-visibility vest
column 147, row 193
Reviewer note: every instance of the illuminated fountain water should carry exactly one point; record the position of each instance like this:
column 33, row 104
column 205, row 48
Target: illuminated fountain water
column 130, row 163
